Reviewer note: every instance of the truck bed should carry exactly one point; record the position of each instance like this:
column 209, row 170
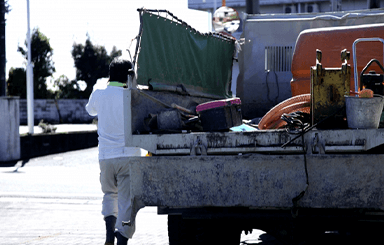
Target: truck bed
column 333, row 169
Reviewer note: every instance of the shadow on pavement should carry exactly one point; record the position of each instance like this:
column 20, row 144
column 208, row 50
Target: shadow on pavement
column 264, row 239
column 360, row 237
column 8, row 164
column 17, row 164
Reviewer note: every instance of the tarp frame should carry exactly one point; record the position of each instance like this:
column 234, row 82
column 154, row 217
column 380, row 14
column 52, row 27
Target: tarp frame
column 172, row 53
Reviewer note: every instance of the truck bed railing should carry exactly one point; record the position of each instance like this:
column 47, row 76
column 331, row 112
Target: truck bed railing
column 263, row 141
column 356, row 75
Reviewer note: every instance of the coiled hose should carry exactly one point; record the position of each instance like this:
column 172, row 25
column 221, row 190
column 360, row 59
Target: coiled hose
column 272, row 119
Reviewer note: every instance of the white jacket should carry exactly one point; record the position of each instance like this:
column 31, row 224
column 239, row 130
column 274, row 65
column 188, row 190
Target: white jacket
column 107, row 104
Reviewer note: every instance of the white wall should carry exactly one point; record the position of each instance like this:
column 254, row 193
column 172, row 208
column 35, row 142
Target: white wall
column 61, row 111
column 9, row 129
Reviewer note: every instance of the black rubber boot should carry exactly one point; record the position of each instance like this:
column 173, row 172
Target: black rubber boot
column 121, row 240
column 110, row 223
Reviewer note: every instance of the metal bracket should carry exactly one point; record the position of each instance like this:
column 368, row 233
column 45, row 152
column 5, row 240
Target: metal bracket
column 345, row 56
column 128, row 223
column 356, row 76
column 198, row 148
column 319, row 67
column 318, row 145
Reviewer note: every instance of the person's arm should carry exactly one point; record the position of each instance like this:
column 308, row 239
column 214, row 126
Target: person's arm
column 91, row 107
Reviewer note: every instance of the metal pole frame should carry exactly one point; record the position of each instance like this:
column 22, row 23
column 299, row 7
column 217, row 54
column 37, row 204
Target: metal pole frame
column 356, row 77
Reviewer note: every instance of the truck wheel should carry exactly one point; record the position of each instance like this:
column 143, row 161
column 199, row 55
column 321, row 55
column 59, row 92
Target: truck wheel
column 201, row 232
column 180, row 231
column 293, row 235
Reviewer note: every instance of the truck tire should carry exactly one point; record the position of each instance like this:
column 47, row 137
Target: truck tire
column 179, row 230
column 289, row 233
column 201, row 231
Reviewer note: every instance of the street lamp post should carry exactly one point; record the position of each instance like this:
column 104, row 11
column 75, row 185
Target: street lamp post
column 2, row 49
column 29, row 79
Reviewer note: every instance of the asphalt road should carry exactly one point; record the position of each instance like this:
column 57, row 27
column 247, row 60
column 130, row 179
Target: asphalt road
column 56, row 199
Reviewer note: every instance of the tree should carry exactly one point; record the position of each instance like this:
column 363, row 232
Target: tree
column 16, row 84
column 43, row 66
column 67, row 89
column 92, row 62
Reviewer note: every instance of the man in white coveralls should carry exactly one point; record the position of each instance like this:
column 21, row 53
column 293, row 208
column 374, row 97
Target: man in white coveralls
column 107, row 104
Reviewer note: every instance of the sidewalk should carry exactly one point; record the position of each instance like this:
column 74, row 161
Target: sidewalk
column 60, row 128
column 37, row 221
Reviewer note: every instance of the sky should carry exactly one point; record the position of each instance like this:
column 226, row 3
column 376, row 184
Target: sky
column 108, row 23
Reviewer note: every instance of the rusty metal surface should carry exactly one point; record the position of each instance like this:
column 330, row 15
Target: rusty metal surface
column 259, row 181
column 328, row 87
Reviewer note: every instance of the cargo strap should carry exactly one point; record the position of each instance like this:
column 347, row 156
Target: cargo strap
column 305, row 130
column 297, row 120
column 294, row 121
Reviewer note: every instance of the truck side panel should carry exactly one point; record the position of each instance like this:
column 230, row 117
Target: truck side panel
column 259, row 181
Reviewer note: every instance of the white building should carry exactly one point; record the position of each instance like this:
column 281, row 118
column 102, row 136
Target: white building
column 290, row 6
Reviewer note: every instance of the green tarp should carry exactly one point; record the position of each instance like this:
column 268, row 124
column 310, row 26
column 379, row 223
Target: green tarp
column 173, row 54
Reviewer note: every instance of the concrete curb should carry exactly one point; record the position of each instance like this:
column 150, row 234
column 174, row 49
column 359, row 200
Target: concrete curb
column 44, row 144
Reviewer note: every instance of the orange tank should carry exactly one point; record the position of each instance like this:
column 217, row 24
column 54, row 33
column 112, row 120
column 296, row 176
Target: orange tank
column 331, row 41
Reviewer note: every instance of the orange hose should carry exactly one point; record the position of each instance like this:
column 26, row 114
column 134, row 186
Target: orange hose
column 293, row 104
column 276, row 120
column 280, row 123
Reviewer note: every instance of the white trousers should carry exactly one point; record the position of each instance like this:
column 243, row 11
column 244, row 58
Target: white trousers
column 115, row 184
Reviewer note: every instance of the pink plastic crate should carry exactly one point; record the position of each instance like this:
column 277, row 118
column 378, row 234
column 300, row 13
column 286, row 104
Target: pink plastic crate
column 220, row 115
column 218, row 103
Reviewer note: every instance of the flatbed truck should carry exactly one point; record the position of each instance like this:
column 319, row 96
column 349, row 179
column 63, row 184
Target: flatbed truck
column 214, row 185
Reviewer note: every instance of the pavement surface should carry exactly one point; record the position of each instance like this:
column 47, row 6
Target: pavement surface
column 56, row 199
column 29, row 220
